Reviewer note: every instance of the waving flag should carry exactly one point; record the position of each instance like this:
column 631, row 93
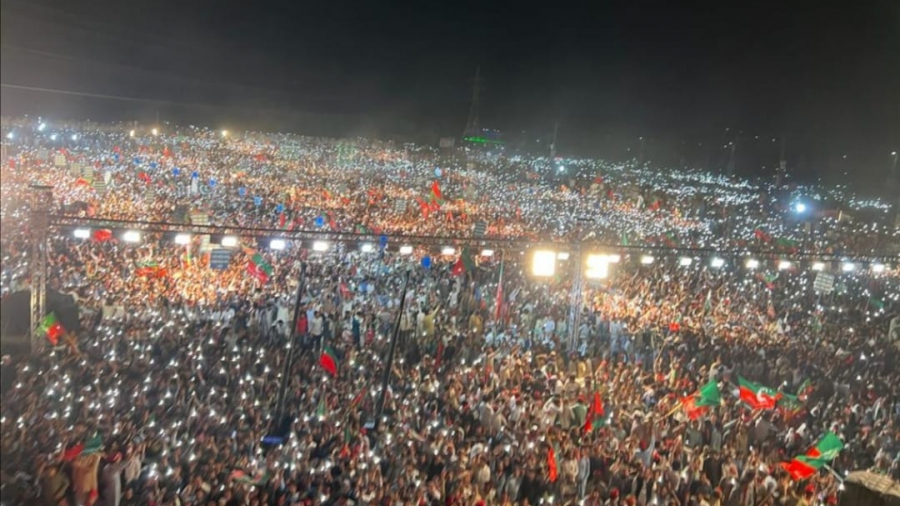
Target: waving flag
column 328, row 361
column 697, row 404
column 436, row 191
column 51, row 327
column 806, row 465
column 552, row 471
column 758, row 396
column 259, row 268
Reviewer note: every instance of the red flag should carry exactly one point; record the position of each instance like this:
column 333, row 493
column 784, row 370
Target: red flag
column 424, row 206
column 102, row 235
column 552, row 471
column 458, row 268
column 281, row 220
column 798, row 470
column 436, row 190
column 166, row 152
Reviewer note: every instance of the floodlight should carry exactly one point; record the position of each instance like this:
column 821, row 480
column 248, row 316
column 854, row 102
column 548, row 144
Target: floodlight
column 448, row 250
column 685, row 261
column 544, row 263
column 563, row 255
column 131, row 236
column 229, row 241
column 597, row 267
column 183, row 239
column 818, row 266
column 647, row 259
column 717, row 262
column 278, row 244
column 367, row 247
column 406, row 250
column 320, row 246
column 82, row 233
column 752, row 263
column 487, row 252
column 784, row 265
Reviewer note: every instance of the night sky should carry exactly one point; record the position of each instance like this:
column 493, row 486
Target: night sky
column 825, row 74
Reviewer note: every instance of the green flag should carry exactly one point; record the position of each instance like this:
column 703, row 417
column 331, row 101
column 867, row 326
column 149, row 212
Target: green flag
column 806, row 465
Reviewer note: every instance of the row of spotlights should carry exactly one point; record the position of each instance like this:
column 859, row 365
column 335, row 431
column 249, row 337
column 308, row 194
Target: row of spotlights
column 545, row 257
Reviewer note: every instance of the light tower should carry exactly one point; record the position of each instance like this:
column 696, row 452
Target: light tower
column 472, row 127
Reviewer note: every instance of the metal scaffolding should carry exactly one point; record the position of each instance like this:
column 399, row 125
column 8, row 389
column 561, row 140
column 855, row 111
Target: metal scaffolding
column 42, row 199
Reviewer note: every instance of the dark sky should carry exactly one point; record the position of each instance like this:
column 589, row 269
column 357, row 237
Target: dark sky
column 825, row 73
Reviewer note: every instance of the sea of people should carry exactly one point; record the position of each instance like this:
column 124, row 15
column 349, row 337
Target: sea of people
column 191, row 385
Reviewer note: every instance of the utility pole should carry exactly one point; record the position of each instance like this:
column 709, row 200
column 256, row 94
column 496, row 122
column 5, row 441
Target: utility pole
column 553, row 143
column 782, row 163
column 730, row 166
column 641, row 152
column 472, row 127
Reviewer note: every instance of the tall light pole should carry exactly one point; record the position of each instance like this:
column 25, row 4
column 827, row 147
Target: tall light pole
column 894, row 166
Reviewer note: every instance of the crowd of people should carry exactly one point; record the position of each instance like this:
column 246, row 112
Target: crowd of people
column 191, row 385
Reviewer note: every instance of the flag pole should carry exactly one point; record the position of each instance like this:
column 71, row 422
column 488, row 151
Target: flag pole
column 389, row 363
column 285, row 375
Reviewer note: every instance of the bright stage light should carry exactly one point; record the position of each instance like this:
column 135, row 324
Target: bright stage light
column 183, row 239
column 367, row 247
column 563, row 255
column 647, row 259
column 278, row 244
column 320, row 246
column 848, row 267
column 818, row 266
column 131, row 236
column 448, row 250
column 878, row 268
column 82, row 233
column 487, row 252
column 544, row 263
column 614, row 259
column 229, row 241
column 597, row 267
column 406, row 250
column 131, row 133
column 752, row 263
column 717, row 262
column 784, row 265
column 685, row 261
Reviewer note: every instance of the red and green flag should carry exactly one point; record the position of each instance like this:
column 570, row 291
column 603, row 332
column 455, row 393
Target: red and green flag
column 464, row 264
column 51, row 328
column 328, row 360
column 699, row 403
column 259, row 268
column 758, row 396
column 595, row 410
column 806, row 465
column 789, row 405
